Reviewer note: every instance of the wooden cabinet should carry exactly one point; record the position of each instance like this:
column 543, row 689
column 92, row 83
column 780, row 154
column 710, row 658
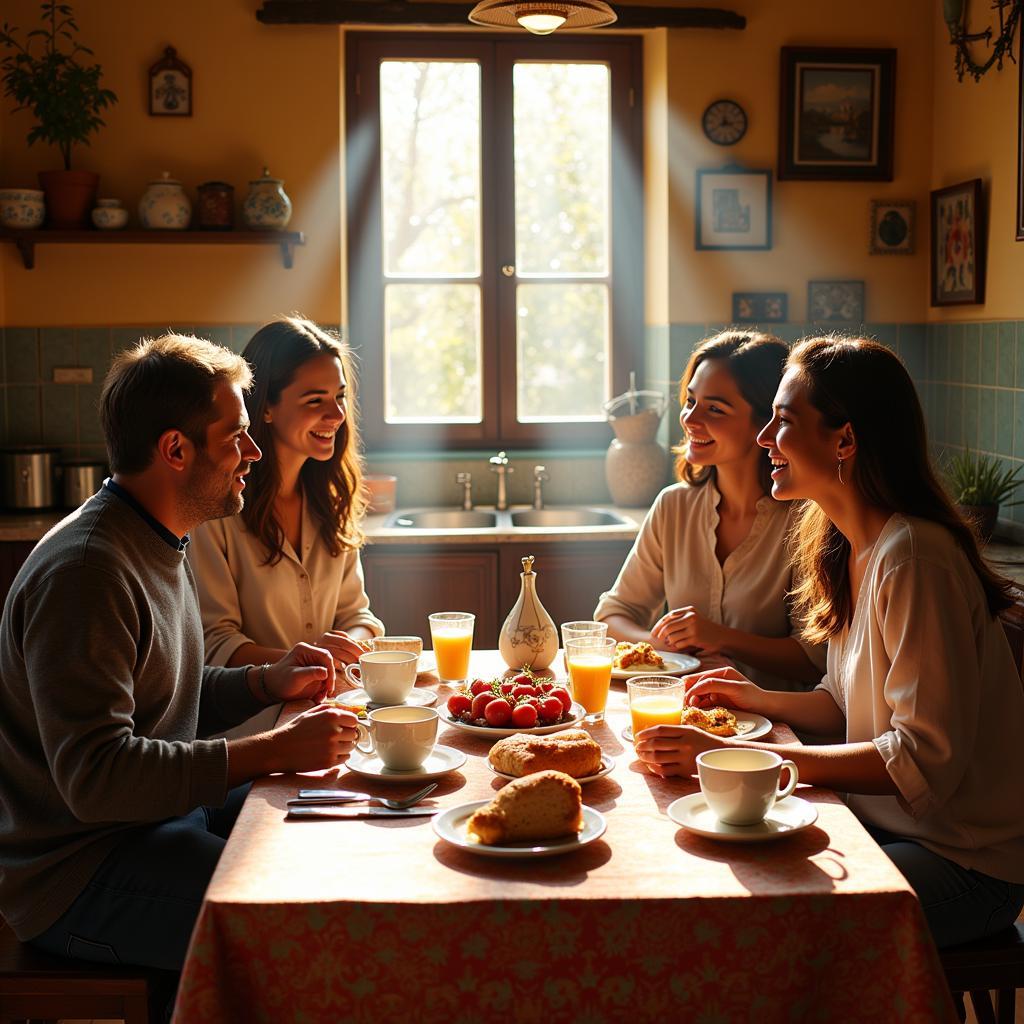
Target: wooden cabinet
column 405, row 583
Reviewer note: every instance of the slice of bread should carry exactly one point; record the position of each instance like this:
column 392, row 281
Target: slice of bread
column 546, row 805
column 573, row 751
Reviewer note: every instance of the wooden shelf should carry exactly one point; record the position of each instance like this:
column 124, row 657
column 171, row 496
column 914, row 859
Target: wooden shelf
column 26, row 241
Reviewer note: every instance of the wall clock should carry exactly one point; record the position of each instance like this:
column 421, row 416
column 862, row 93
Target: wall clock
column 724, row 122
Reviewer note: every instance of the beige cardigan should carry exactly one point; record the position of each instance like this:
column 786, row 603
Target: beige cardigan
column 243, row 601
column 674, row 561
column 925, row 672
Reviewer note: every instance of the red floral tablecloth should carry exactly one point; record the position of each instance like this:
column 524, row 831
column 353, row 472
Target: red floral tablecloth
column 379, row 920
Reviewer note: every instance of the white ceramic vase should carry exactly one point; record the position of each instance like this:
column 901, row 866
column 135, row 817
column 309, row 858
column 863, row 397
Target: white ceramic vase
column 21, row 208
column 528, row 638
column 267, row 206
column 109, row 215
column 165, row 206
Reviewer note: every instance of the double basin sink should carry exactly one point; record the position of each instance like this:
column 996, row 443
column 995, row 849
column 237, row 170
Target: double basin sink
column 565, row 517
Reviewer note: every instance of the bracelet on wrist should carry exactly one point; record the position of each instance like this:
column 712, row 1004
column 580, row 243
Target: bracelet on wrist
column 268, row 696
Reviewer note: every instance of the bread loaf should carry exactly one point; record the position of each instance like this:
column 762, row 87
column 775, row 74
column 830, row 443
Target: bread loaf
column 573, row 751
column 546, row 805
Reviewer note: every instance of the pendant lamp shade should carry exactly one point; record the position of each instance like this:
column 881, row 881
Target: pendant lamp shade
column 542, row 17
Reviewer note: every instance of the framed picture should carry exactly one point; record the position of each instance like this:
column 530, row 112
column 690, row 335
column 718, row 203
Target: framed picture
column 837, row 114
column 170, row 86
column 734, row 209
column 759, row 307
column 835, row 302
column 958, row 245
column 892, row 227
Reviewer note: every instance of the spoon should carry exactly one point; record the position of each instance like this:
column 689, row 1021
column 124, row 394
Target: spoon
column 340, row 796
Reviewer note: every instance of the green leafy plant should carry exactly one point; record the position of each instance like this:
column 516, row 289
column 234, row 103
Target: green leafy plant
column 64, row 94
column 976, row 479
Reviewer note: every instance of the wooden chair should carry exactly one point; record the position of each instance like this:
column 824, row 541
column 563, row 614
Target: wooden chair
column 37, row 986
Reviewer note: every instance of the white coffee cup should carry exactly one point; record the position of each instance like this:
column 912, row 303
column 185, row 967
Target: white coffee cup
column 741, row 785
column 401, row 737
column 387, row 676
column 411, row 644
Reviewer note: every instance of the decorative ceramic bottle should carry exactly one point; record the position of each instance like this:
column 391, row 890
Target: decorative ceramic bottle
column 267, row 206
column 165, row 206
column 636, row 466
column 528, row 638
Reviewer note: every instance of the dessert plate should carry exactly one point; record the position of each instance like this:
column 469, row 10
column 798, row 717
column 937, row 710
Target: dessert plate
column 749, row 726
column 675, row 665
column 607, row 764
column 576, row 713
column 418, row 698
column 787, row 816
column 440, row 761
column 450, row 825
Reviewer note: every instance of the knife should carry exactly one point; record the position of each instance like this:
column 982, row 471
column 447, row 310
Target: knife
column 327, row 811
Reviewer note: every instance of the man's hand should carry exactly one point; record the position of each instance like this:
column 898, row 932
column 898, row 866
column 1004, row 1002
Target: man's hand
column 304, row 673
column 668, row 750
column 321, row 737
column 685, row 629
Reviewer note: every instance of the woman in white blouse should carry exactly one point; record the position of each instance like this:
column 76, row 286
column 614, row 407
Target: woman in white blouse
column 714, row 546
column 287, row 569
column 920, row 675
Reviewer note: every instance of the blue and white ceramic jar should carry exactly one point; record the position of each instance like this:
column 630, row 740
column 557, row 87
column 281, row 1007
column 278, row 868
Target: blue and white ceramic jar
column 109, row 215
column 267, row 207
column 165, row 206
column 21, row 208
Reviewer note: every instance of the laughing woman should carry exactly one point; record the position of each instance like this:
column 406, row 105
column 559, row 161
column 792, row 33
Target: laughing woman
column 714, row 545
column 920, row 674
column 287, row 569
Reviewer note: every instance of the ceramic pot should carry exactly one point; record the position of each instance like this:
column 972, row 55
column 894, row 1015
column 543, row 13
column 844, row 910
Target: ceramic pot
column 528, row 637
column 215, row 206
column 267, row 207
column 635, row 466
column 109, row 215
column 165, row 206
column 21, row 208
column 70, row 195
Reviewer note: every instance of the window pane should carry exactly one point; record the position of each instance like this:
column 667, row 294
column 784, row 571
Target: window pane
column 430, row 167
column 562, row 160
column 432, row 368
column 562, row 346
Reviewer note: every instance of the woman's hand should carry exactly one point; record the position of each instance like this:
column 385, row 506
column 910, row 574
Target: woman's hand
column 685, row 628
column 668, row 750
column 724, row 687
column 304, row 673
column 343, row 648
column 319, row 738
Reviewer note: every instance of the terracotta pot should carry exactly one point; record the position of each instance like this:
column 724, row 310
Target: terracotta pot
column 70, row 196
column 983, row 518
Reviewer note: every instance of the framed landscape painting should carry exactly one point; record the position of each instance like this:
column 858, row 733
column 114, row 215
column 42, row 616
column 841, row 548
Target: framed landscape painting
column 835, row 302
column 958, row 245
column 734, row 209
column 836, row 117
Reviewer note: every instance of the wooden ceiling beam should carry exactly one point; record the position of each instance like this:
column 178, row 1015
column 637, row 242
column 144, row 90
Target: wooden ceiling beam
column 403, row 12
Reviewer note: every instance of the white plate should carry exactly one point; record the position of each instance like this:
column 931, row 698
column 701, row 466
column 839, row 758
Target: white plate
column 607, row 764
column 419, row 698
column 487, row 732
column 675, row 665
column 450, row 825
column 441, row 760
column 748, row 727
column 787, row 816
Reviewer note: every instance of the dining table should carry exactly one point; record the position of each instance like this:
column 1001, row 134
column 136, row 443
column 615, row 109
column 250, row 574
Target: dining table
column 380, row 920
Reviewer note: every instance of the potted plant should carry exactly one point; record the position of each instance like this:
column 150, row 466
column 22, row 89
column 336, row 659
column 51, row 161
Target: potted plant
column 979, row 485
column 65, row 98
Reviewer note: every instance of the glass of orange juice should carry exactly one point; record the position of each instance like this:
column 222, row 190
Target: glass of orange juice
column 452, row 637
column 572, row 630
column 590, row 672
column 655, row 700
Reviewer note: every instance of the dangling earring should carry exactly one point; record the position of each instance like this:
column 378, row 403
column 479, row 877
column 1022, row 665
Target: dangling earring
column 841, row 480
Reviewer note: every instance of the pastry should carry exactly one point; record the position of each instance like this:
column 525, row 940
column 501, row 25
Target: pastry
column 573, row 752
column 628, row 655
column 545, row 805
column 717, row 721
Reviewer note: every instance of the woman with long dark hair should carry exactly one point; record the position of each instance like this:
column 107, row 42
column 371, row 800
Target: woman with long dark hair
column 713, row 546
column 287, row 569
column 920, row 675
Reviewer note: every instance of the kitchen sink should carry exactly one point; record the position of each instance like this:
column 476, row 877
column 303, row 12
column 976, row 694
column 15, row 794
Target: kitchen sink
column 443, row 519
column 552, row 517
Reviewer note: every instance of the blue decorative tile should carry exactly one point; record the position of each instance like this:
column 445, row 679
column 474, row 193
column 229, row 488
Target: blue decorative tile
column 60, row 414
column 1005, row 373
column 970, row 420
column 1004, row 422
column 987, row 419
column 23, row 414
column 913, row 350
column 94, row 350
column 972, row 353
column 21, row 355
column 989, row 353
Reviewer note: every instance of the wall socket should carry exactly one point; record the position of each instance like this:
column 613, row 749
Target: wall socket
column 72, row 375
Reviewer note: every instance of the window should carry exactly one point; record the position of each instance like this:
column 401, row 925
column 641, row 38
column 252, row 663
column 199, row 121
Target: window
column 495, row 240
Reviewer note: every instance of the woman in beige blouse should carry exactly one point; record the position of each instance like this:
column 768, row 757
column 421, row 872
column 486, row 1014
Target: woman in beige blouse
column 714, row 546
column 920, row 675
column 287, row 569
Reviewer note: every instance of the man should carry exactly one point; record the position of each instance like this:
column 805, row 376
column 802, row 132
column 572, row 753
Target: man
column 112, row 813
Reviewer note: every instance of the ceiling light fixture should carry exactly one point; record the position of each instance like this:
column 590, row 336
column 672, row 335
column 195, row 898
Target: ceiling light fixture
column 542, row 17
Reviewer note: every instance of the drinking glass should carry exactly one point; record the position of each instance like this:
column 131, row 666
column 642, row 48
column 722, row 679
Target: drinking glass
column 452, row 636
column 572, row 630
column 655, row 700
column 590, row 672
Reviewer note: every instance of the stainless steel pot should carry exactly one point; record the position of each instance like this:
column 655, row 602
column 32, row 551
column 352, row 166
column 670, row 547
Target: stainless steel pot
column 28, row 476
column 80, row 479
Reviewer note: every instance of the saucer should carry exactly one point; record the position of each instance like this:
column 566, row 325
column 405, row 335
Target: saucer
column 419, row 698
column 440, row 761
column 787, row 816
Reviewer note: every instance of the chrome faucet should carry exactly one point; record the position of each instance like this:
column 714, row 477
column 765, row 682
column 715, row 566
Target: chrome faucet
column 499, row 465
column 540, row 474
column 465, row 481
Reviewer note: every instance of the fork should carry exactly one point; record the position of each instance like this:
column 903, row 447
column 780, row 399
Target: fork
column 339, row 796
